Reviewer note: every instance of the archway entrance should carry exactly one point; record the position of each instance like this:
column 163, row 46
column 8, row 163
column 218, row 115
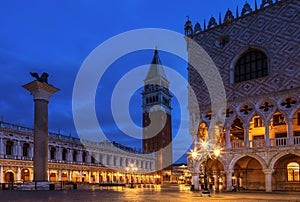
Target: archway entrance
column 85, row 177
column 286, row 173
column 127, row 179
column 215, row 174
column 93, row 177
column 101, row 178
column 64, row 176
column 248, row 174
column 121, row 179
column 52, row 177
column 25, row 175
column 9, row 177
column 108, row 177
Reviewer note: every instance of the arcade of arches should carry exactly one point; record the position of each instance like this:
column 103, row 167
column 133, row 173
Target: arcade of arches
column 22, row 175
column 248, row 173
column 258, row 153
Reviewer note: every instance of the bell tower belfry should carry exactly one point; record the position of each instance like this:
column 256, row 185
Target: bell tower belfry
column 157, row 127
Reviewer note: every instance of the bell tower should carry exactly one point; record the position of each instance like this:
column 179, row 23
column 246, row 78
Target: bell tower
column 157, row 123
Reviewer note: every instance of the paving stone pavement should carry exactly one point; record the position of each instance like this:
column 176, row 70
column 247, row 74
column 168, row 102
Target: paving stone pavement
column 171, row 193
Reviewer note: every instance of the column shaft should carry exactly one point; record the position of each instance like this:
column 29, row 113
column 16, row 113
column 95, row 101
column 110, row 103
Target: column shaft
column 229, row 180
column 2, row 146
column 41, row 94
column 228, row 142
column 268, row 180
column 40, row 163
column 196, row 181
column 246, row 136
column 59, row 175
column 19, row 174
column 290, row 140
column 1, row 175
column 267, row 134
column 70, row 176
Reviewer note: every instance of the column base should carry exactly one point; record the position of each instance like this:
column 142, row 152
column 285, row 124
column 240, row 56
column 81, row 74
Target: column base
column 206, row 193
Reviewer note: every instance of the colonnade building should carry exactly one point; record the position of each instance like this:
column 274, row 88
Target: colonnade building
column 256, row 51
column 105, row 162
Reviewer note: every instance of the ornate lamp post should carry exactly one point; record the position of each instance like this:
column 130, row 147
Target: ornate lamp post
column 131, row 168
column 201, row 153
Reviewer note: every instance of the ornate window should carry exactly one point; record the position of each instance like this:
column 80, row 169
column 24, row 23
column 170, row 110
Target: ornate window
column 251, row 65
column 74, row 155
column 293, row 172
column 258, row 123
column 83, row 156
column 9, row 147
column 64, row 154
column 278, row 119
column 52, row 153
column 25, row 149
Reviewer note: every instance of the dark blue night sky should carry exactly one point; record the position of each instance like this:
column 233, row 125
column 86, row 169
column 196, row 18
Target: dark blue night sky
column 56, row 37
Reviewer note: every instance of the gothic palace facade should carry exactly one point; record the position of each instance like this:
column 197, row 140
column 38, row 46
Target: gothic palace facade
column 257, row 53
column 69, row 160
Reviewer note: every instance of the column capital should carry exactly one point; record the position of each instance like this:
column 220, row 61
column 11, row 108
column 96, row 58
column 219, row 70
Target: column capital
column 39, row 90
column 268, row 171
column 229, row 171
column 195, row 173
column 227, row 127
column 246, row 125
column 289, row 120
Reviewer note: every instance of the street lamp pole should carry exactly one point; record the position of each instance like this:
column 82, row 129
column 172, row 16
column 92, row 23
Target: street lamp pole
column 131, row 168
column 205, row 191
column 131, row 181
column 201, row 153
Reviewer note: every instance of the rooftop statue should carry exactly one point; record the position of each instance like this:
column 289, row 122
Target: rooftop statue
column 188, row 28
column 43, row 78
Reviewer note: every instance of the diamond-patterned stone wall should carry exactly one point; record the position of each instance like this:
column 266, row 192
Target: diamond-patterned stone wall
column 275, row 30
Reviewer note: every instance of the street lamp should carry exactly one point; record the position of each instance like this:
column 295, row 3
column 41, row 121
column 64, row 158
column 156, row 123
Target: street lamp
column 204, row 151
column 131, row 168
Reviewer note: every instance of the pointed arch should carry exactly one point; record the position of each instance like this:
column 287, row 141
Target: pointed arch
column 266, row 108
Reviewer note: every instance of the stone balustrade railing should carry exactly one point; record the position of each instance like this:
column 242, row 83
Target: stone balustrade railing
column 260, row 143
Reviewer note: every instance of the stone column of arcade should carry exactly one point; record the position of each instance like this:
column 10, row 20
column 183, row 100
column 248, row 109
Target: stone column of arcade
column 41, row 92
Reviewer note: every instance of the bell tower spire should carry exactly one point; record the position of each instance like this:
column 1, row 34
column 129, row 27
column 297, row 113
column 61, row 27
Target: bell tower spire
column 157, row 129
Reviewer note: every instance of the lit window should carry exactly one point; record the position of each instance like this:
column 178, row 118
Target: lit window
column 258, row 123
column 293, row 172
column 253, row 64
column 278, row 119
